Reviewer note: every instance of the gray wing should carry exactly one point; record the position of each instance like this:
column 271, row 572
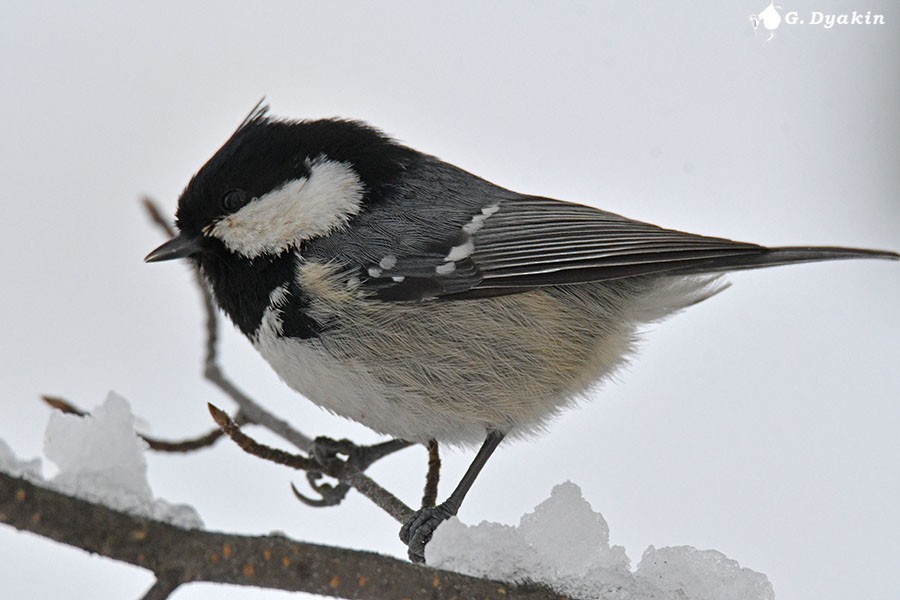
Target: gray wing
column 478, row 240
column 532, row 242
column 538, row 241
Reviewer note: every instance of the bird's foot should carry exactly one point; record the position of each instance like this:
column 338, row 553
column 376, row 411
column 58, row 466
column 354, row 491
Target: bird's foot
column 417, row 531
column 326, row 450
column 336, row 455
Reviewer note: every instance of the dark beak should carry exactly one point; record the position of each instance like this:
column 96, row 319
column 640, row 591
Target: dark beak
column 180, row 246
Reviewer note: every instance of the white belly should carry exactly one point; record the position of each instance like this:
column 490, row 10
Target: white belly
column 452, row 370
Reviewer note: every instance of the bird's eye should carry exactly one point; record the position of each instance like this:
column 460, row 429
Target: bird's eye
column 233, row 200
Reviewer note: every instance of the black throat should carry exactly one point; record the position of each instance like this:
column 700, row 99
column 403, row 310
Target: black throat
column 243, row 288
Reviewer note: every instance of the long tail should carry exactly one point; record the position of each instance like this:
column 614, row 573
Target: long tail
column 773, row 257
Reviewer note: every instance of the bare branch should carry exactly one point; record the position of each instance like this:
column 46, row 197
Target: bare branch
column 178, row 556
column 156, row 217
column 162, row 588
column 253, row 412
column 204, row 441
column 251, row 446
column 340, row 470
column 63, row 406
column 156, row 444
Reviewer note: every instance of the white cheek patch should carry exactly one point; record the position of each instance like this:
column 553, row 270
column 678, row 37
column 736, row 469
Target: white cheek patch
column 299, row 210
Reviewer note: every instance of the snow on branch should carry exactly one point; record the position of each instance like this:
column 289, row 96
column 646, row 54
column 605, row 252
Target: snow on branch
column 180, row 555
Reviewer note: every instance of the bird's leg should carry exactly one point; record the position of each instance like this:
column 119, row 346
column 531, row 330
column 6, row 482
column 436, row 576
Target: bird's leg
column 429, row 496
column 417, row 531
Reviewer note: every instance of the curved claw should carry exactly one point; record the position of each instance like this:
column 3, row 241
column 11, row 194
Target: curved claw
column 325, row 451
column 332, row 495
column 417, row 531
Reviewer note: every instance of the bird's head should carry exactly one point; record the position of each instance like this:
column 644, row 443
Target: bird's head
column 277, row 183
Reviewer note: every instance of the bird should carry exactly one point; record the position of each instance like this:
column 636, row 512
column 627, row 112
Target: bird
column 400, row 291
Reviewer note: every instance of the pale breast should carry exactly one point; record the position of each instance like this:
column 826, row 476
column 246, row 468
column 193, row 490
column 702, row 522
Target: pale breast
column 450, row 370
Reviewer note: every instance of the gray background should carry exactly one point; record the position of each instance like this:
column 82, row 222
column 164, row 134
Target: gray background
column 762, row 423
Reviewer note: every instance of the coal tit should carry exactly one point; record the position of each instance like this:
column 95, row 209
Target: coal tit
column 402, row 292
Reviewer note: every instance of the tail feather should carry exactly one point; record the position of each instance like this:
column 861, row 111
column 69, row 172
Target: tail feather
column 731, row 256
column 787, row 255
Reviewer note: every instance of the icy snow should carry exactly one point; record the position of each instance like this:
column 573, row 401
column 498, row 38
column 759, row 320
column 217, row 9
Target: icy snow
column 100, row 458
column 565, row 545
column 12, row 464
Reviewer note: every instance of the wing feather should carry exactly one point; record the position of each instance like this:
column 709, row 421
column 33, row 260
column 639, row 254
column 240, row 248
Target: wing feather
column 529, row 241
column 444, row 233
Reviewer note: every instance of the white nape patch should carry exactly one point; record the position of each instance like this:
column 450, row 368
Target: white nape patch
column 445, row 269
column 460, row 252
column 299, row 210
column 388, row 262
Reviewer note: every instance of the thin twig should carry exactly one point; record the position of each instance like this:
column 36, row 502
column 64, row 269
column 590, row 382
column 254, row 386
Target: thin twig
column 251, row 446
column 197, row 443
column 163, row 587
column 156, row 444
column 63, row 406
column 211, row 371
column 340, row 470
column 156, row 216
column 254, row 412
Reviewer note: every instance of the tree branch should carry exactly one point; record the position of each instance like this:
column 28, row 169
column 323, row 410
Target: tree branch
column 162, row 588
column 178, row 556
column 343, row 471
column 156, row 444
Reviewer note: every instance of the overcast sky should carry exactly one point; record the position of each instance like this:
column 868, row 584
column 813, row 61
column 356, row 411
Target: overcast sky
column 762, row 423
